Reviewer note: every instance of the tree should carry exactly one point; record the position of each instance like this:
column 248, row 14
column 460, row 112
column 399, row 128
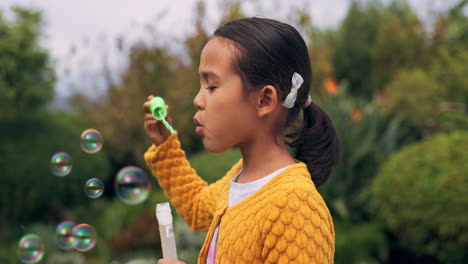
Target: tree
column 30, row 135
column 374, row 42
column 435, row 99
column 457, row 31
column 352, row 59
column 26, row 75
column 401, row 42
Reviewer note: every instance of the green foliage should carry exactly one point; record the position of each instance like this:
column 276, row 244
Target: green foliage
column 359, row 243
column 367, row 138
column 457, row 28
column 26, row 76
column 401, row 42
column 211, row 167
column 375, row 41
column 420, row 194
column 351, row 60
column 451, row 73
column 128, row 221
column 29, row 191
column 188, row 242
column 433, row 100
column 414, row 94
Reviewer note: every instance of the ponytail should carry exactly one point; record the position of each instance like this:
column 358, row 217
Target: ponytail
column 316, row 143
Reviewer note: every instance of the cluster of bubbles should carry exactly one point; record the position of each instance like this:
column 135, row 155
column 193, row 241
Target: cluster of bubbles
column 69, row 236
column 81, row 237
column 61, row 162
column 131, row 184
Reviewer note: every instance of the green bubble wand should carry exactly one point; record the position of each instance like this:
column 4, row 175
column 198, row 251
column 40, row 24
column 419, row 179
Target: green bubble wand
column 159, row 111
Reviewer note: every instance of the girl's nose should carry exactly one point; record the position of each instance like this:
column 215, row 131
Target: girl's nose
column 197, row 102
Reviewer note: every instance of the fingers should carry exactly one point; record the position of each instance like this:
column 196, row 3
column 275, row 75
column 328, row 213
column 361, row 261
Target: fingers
column 155, row 129
column 149, row 117
column 146, row 104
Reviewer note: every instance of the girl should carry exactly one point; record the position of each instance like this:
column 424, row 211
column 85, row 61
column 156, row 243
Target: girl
column 255, row 76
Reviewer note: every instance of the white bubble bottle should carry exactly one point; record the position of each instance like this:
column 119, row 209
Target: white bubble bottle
column 164, row 216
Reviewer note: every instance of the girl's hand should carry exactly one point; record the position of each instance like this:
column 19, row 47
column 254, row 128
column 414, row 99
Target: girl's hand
column 155, row 129
column 169, row 261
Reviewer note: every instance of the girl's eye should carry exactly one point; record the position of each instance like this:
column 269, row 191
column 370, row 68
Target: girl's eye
column 211, row 88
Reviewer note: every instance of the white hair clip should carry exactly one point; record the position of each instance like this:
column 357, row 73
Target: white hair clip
column 296, row 84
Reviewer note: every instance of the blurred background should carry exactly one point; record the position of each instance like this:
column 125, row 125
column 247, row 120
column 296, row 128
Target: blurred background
column 393, row 75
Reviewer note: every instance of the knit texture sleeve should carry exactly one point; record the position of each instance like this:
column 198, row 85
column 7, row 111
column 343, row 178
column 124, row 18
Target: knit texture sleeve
column 298, row 229
column 192, row 197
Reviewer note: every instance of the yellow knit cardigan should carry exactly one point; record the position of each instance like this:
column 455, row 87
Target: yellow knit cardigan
column 286, row 221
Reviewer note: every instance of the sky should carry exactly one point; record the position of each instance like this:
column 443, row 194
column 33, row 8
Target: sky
column 90, row 27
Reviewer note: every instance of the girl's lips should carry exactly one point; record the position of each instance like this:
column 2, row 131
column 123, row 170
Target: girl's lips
column 199, row 130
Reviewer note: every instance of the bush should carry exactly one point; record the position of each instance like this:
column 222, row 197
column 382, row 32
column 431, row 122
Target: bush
column 421, row 196
column 359, row 243
column 414, row 94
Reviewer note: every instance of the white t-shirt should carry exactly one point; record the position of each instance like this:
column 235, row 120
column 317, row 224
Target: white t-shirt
column 237, row 193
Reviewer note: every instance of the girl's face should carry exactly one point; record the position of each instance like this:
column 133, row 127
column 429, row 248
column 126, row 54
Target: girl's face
column 224, row 117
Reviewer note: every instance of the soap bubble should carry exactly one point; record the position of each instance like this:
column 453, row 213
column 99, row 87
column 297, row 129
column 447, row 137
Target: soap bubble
column 61, row 164
column 86, row 237
column 94, row 188
column 65, row 238
column 91, row 140
column 30, row 249
column 132, row 185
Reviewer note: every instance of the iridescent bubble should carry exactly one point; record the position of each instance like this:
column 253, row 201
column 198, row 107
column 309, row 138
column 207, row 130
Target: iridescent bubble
column 30, row 249
column 65, row 238
column 91, row 140
column 61, row 164
column 86, row 237
column 94, row 188
column 132, row 185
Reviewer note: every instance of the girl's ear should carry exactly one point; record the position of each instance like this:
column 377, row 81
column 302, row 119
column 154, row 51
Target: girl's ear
column 267, row 99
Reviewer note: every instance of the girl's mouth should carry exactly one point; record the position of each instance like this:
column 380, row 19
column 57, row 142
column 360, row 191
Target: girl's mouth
column 199, row 128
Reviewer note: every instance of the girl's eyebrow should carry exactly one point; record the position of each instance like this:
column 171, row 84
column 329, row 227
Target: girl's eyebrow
column 208, row 74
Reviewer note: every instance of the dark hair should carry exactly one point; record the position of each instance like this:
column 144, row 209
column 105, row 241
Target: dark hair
column 268, row 53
